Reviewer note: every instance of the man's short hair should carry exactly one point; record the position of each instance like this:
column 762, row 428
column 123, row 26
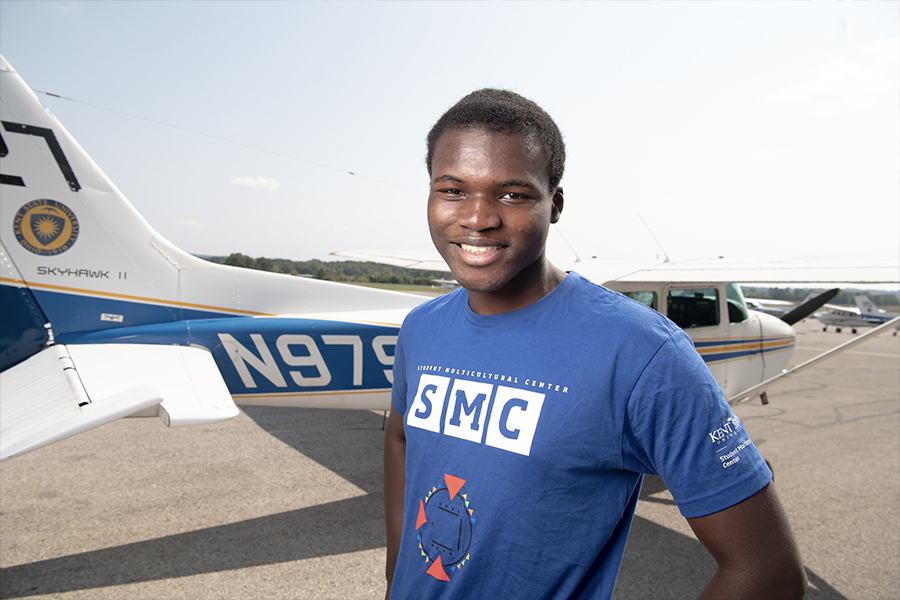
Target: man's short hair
column 502, row 111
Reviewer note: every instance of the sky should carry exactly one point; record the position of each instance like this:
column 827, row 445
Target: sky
column 294, row 129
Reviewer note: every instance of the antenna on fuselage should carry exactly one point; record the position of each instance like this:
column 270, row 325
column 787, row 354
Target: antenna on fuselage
column 571, row 247
column 665, row 254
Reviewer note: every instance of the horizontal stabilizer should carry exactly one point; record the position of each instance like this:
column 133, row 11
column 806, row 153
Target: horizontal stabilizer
column 65, row 390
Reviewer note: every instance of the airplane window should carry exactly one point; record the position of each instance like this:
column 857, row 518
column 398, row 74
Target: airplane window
column 694, row 307
column 646, row 298
column 737, row 306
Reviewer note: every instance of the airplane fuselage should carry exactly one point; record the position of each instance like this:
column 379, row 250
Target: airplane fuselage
column 741, row 347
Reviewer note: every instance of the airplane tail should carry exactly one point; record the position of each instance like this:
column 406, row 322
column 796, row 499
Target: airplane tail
column 77, row 260
column 866, row 306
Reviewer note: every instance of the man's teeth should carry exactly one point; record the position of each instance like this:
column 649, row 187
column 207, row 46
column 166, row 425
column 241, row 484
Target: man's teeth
column 478, row 249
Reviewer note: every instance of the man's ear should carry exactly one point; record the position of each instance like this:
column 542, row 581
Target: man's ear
column 557, row 209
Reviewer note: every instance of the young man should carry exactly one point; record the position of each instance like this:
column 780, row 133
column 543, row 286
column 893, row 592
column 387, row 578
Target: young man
column 529, row 403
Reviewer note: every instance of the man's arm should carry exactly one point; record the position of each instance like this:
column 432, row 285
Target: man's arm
column 394, row 484
column 754, row 548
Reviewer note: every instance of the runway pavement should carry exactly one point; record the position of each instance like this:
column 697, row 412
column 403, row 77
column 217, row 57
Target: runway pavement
column 286, row 503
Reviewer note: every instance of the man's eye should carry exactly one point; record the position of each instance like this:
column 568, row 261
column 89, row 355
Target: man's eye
column 452, row 192
column 514, row 197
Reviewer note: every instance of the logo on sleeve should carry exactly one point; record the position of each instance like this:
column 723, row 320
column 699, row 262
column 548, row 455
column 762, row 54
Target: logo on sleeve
column 731, row 427
column 445, row 528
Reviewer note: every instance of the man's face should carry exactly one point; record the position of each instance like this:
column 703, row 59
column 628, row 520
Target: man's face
column 489, row 209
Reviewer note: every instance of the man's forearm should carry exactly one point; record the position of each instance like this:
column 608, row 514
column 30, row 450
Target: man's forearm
column 781, row 582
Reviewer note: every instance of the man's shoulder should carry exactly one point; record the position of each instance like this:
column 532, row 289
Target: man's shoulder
column 615, row 309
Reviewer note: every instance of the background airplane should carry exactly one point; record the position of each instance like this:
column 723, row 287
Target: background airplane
column 791, row 312
column 104, row 318
column 865, row 314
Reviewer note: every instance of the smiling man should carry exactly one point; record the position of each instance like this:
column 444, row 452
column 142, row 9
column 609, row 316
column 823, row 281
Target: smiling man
column 529, row 403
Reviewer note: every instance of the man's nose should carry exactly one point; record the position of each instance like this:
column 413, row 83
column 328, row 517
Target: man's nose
column 479, row 212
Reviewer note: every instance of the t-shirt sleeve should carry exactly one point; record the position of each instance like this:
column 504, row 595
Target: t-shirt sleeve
column 398, row 387
column 679, row 426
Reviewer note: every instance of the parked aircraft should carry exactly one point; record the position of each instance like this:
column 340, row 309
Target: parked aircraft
column 103, row 318
column 865, row 314
column 791, row 312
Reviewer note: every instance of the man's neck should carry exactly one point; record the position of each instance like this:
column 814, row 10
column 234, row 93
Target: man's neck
column 525, row 289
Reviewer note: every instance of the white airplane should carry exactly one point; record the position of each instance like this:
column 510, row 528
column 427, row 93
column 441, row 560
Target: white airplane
column 103, row 318
column 788, row 311
column 866, row 314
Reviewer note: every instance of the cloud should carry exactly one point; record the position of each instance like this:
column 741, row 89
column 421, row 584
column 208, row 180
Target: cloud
column 886, row 51
column 835, row 85
column 66, row 6
column 256, row 183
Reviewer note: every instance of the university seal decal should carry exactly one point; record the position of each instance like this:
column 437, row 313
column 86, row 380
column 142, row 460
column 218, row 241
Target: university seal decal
column 46, row 227
column 445, row 528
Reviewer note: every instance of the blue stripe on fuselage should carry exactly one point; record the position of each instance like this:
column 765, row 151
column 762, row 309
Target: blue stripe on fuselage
column 275, row 355
column 68, row 313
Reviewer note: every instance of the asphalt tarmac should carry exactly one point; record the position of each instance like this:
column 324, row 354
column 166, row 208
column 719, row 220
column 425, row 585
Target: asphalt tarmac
column 287, row 503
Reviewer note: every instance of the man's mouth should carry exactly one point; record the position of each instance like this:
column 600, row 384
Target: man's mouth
column 478, row 249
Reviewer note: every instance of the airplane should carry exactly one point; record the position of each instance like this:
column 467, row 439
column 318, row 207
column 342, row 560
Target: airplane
column 866, row 314
column 104, row 318
column 785, row 310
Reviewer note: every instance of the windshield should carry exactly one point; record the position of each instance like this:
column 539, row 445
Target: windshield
column 737, row 306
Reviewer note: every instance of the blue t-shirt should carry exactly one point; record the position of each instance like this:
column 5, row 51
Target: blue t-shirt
column 528, row 434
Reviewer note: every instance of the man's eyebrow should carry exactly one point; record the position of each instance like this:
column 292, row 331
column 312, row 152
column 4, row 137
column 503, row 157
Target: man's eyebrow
column 516, row 183
column 448, row 177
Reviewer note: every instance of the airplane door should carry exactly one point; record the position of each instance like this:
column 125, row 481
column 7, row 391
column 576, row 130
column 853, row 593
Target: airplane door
column 743, row 358
column 700, row 310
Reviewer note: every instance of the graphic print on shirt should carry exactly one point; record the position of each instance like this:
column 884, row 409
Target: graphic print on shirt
column 720, row 437
column 445, row 528
column 500, row 415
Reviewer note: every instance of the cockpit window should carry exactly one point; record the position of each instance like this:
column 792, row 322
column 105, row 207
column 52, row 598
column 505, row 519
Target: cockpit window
column 737, row 306
column 694, row 307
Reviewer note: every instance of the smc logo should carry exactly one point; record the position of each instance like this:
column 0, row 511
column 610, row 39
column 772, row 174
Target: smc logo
column 497, row 416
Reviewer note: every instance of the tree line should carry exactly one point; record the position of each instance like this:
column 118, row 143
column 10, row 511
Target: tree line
column 344, row 270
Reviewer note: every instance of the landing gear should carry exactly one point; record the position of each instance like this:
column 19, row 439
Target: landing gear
column 837, row 329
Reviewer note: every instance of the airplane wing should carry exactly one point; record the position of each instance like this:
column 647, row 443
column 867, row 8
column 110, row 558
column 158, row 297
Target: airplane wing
column 818, row 269
column 427, row 261
column 65, row 390
column 760, row 388
column 814, row 269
